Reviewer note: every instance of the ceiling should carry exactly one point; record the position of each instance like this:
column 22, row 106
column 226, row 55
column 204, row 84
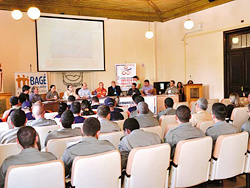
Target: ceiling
column 143, row 10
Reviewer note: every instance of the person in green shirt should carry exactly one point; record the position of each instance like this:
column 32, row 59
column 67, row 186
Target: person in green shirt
column 138, row 82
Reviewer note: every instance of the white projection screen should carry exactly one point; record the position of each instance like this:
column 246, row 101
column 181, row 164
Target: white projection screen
column 69, row 44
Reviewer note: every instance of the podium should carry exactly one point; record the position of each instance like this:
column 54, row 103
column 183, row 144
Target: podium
column 4, row 102
column 193, row 92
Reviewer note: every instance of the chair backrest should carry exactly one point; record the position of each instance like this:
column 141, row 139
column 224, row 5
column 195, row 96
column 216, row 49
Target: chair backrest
column 125, row 115
column 176, row 105
column 191, row 156
column 58, row 121
column 7, row 150
column 58, row 146
column 212, row 101
column 247, row 161
column 4, row 126
column 77, row 125
column 86, row 117
column 204, row 125
column 226, row 101
column 43, row 131
column 120, row 123
column 50, row 115
column 155, row 129
column 99, row 170
column 39, row 175
column 239, row 116
column 229, row 152
column 61, row 95
column 192, row 107
column 165, row 120
column 148, row 166
column 113, row 137
column 209, row 107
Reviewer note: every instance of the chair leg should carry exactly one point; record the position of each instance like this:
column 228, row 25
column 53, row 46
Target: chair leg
column 247, row 180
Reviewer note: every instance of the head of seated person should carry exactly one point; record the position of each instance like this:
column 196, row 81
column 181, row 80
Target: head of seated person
column 172, row 83
column 76, row 108
column 103, row 112
column 38, row 111
column 14, row 101
column 26, row 106
column 86, row 108
column 95, row 100
column 219, row 112
column 143, row 108
column 139, row 99
column 201, row 104
column 34, row 90
column 27, row 137
column 18, row 118
column 134, row 96
column 91, row 127
column 71, row 99
column 130, row 125
column 235, row 100
column 169, row 102
column 110, row 102
column 183, row 114
column 67, row 119
column 62, row 107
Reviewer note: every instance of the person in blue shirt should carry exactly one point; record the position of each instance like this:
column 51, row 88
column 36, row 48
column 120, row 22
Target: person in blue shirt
column 76, row 109
column 26, row 107
column 114, row 115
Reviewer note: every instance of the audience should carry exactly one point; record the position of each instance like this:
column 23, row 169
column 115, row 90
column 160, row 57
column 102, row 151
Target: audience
column 101, row 91
column 15, row 104
column 201, row 113
column 133, row 90
column 103, row 114
column 70, row 91
column 172, row 89
column 133, row 108
column 24, row 96
column 28, row 140
column 169, row 103
column 138, row 82
column 70, row 100
column 246, row 125
column 95, row 102
column 137, row 100
column 147, row 89
column 235, row 102
column 84, row 92
column 86, row 108
column 76, row 109
column 88, row 145
column 52, row 94
column 34, row 96
column 184, row 131
column 114, row 90
column 221, row 127
column 67, row 119
column 61, row 108
column 114, row 112
column 144, row 118
column 26, row 107
column 134, row 138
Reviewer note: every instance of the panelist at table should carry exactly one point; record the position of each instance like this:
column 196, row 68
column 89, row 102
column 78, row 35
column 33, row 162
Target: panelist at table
column 114, row 90
column 147, row 89
column 84, row 92
column 34, row 96
column 70, row 91
column 52, row 94
column 133, row 90
column 101, row 91
column 172, row 89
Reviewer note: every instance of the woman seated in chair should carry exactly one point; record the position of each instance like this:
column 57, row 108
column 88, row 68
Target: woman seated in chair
column 235, row 102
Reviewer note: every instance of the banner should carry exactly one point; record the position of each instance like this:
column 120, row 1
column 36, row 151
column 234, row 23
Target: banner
column 124, row 75
column 38, row 79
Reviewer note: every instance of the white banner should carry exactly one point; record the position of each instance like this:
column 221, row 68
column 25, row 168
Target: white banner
column 38, row 79
column 124, row 75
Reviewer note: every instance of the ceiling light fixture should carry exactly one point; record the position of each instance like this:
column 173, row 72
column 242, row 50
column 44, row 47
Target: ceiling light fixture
column 188, row 24
column 34, row 13
column 16, row 14
column 149, row 34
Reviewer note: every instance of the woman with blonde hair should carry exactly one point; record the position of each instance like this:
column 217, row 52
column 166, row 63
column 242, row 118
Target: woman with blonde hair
column 235, row 102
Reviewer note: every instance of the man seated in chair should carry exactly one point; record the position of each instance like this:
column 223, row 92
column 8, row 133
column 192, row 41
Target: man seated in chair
column 184, row 131
column 88, row 145
column 134, row 110
column 134, row 138
column 15, row 104
column 169, row 103
column 76, row 109
column 221, row 127
column 144, row 118
column 67, row 119
column 95, row 102
column 201, row 113
column 115, row 114
column 70, row 100
column 114, row 90
column 103, row 114
column 27, row 138
column 246, row 125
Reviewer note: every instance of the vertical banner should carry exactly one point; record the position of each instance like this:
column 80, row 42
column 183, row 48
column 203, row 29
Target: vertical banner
column 38, row 79
column 1, row 78
column 124, row 75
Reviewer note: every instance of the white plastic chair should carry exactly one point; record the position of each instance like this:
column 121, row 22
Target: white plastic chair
column 212, row 101
column 191, row 162
column 192, row 107
column 204, row 125
column 100, row 170
column 113, row 137
column 166, row 120
column 247, row 162
column 176, row 105
column 239, row 116
column 39, row 175
column 226, row 101
column 155, row 129
column 58, row 121
column 7, row 150
column 120, row 123
column 77, row 125
column 50, row 115
column 147, row 167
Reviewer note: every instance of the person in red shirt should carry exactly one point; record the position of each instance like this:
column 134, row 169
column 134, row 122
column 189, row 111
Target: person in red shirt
column 101, row 91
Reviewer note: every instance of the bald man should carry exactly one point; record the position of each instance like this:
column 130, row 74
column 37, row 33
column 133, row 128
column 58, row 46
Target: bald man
column 38, row 112
column 84, row 92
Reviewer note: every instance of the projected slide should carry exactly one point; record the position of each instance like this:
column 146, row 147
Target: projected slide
column 68, row 44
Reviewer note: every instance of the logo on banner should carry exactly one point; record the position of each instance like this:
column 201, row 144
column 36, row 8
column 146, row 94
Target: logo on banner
column 126, row 70
column 124, row 75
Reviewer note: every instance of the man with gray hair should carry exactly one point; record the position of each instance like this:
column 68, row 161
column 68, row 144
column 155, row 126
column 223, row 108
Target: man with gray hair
column 144, row 118
column 201, row 113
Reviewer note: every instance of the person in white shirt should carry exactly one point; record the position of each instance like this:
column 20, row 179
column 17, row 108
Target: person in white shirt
column 84, row 92
column 70, row 91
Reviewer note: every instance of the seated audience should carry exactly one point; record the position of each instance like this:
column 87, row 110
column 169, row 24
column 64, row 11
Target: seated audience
column 184, row 131
column 134, row 138
column 26, row 107
column 138, row 82
column 61, row 108
column 190, row 82
column 101, row 91
column 84, row 92
column 86, row 108
column 24, row 96
column 246, row 125
column 147, row 89
column 103, row 114
column 169, row 103
column 76, row 109
column 114, row 113
column 221, row 127
column 144, row 118
column 17, row 120
column 201, row 113
column 70, row 91
column 67, row 119
column 235, row 102
column 27, row 138
column 247, row 99
column 38, row 112
column 52, row 94
column 34, row 96
column 134, row 111
column 172, row 89
column 95, row 102
column 114, row 90
column 70, row 100
column 133, row 108
column 15, row 104
column 88, row 145
column 133, row 90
